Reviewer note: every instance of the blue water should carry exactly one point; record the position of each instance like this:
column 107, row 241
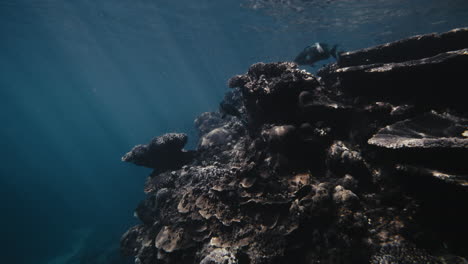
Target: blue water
column 82, row 81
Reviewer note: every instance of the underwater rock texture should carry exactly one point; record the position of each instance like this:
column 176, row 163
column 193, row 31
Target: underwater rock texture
column 413, row 48
column 300, row 169
column 162, row 153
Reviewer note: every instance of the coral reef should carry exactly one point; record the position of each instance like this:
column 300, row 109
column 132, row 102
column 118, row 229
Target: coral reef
column 364, row 164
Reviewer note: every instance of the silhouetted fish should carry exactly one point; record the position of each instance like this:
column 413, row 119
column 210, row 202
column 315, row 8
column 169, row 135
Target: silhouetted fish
column 314, row 53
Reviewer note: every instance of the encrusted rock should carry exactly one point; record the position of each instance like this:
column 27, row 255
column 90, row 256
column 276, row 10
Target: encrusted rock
column 270, row 90
column 281, row 137
column 219, row 256
column 169, row 239
column 138, row 241
column 402, row 253
column 343, row 196
column 349, row 182
column 426, row 141
column 162, row 153
column 407, row 49
column 344, row 159
column 461, row 180
column 208, row 121
column 431, row 130
column 216, row 137
column 415, row 81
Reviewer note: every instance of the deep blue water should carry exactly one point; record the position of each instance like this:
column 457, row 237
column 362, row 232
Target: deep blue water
column 82, row 81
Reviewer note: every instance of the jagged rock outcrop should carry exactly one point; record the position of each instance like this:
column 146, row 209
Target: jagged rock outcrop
column 413, row 48
column 162, row 153
column 299, row 169
column 430, row 130
column 415, row 80
column 270, row 91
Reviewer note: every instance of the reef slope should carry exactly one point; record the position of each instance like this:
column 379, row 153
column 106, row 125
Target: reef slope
column 364, row 164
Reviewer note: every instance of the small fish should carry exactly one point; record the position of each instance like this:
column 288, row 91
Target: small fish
column 314, row 53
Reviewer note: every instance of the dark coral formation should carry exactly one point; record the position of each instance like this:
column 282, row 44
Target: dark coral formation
column 430, row 130
column 333, row 169
column 413, row 48
column 162, row 153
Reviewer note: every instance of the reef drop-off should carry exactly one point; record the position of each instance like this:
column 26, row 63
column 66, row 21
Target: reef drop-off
column 366, row 163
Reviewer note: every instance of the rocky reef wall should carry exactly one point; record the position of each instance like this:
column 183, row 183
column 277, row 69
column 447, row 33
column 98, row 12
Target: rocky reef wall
column 364, row 163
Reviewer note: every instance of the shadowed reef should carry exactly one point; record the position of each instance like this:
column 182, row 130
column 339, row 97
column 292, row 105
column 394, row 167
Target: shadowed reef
column 364, row 163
